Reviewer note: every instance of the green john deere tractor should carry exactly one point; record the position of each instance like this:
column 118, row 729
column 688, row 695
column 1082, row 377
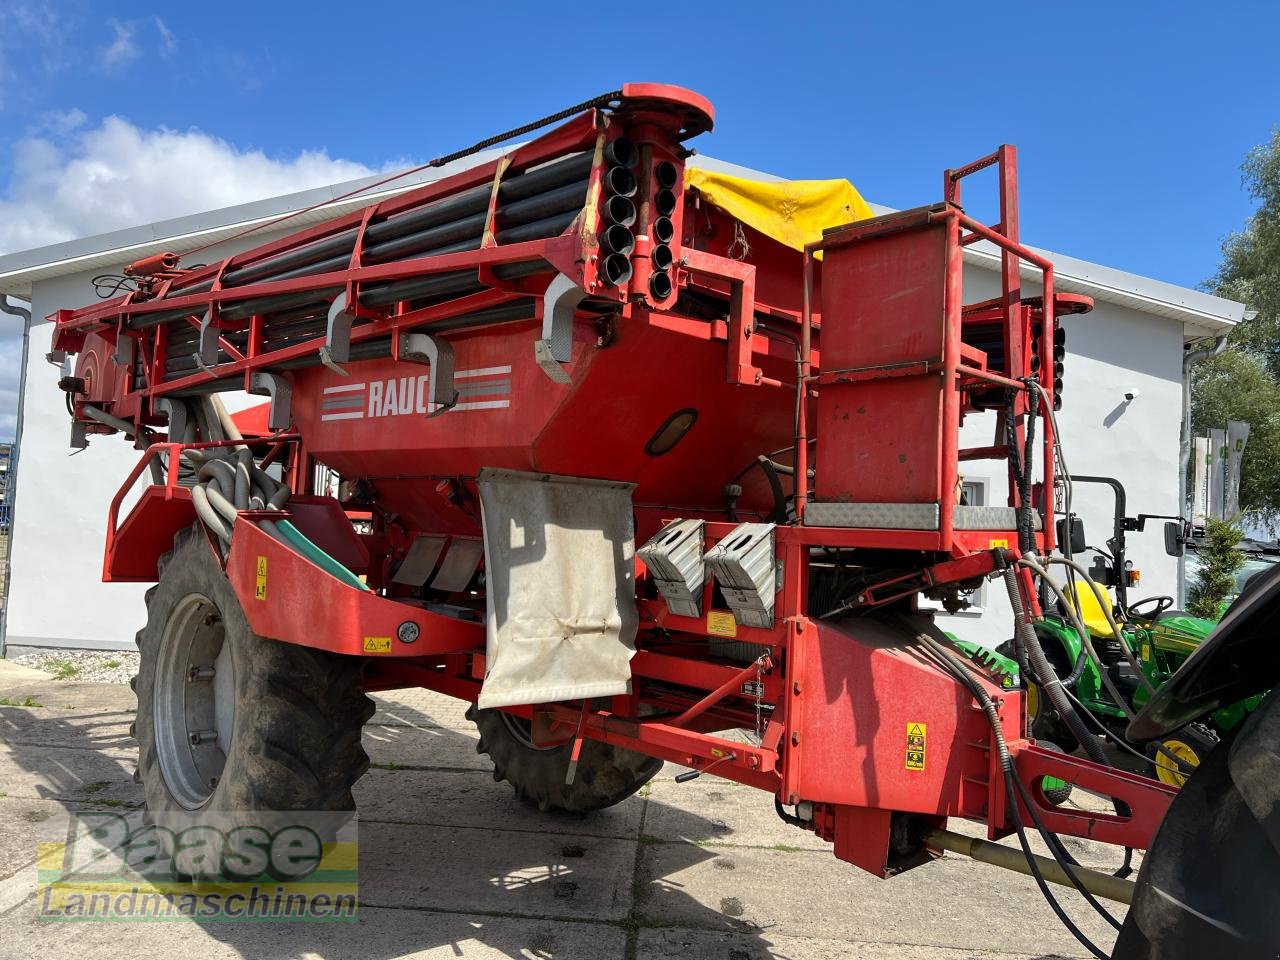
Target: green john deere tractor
column 1154, row 640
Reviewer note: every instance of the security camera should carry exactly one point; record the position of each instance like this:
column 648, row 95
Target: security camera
column 1131, row 394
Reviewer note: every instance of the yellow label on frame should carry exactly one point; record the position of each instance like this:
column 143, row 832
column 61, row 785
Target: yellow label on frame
column 916, row 745
column 998, row 544
column 377, row 644
column 720, row 623
column 260, row 587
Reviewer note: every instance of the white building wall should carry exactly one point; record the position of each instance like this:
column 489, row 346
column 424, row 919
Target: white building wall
column 1110, row 351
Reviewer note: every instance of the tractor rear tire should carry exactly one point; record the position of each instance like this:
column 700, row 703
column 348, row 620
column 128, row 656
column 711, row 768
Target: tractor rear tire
column 1207, row 887
column 606, row 774
column 231, row 725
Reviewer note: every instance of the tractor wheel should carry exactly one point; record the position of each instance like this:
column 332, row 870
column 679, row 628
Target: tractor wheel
column 606, row 774
column 1207, row 887
column 231, row 725
column 1044, row 721
column 1177, row 754
column 1056, row 791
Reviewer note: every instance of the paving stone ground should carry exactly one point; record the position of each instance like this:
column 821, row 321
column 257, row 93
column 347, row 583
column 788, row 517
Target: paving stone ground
column 452, row 866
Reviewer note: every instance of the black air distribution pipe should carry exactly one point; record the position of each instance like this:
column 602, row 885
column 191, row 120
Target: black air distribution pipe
column 539, row 203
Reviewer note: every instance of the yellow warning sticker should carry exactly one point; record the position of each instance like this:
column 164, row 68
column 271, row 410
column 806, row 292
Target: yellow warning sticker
column 998, row 544
column 915, row 745
column 377, row 644
column 720, row 623
column 260, row 588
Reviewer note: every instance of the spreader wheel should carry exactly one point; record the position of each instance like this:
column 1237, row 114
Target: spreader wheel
column 1208, row 885
column 606, row 774
column 230, row 723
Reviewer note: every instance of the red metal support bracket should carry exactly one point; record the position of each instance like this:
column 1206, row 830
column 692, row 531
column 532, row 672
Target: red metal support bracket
column 1147, row 800
column 742, row 304
column 733, row 685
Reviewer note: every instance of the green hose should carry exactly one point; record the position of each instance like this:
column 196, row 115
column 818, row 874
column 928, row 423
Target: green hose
column 317, row 556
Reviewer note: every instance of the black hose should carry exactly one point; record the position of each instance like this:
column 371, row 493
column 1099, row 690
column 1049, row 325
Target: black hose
column 795, row 443
column 1049, row 682
column 1077, row 671
column 1043, row 672
column 1026, row 520
column 1051, row 839
column 775, row 485
column 788, row 818
column 1015, row 789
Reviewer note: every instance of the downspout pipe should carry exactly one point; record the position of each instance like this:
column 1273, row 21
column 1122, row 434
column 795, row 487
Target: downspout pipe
column 24, row 313
column 1189, row 360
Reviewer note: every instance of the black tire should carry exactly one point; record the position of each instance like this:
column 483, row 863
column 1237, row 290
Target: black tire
column 1043, row 719
column 297, row 713
column 606, row 774
column 1060, row 792
column 1207, row 887
column 1178, row 754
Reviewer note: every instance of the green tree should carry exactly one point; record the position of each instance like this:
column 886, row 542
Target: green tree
column 1244, row 382
column 1219, row 561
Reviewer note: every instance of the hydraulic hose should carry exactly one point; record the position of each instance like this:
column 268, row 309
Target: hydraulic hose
column 775, row 486
column 1057, row 693
column 1026, row 521
column 124, row 426
column 129, row 430
column 1019, row 615
column 1085, row 641
column 228, row 486
column 308, row 549
column 1014, row 788
column 1043, row 672
column 1077, row 669
column 243, row 481
column 229, row 429
column 221, row 504
column 210, row 516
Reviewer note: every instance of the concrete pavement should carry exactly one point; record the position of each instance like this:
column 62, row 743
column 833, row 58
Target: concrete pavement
column 452, row 866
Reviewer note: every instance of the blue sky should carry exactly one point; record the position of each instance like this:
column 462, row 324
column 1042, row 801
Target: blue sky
column 1131, row 119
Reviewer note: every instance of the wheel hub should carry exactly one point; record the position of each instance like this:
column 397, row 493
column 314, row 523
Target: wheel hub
column 1169, row 770
column 521, row 729
column 194, row 701
column 1033, row 702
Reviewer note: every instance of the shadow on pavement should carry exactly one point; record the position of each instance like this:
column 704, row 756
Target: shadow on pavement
column 450, row 861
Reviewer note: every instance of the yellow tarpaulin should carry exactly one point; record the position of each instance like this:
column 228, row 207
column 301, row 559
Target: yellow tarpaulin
column 793, row 212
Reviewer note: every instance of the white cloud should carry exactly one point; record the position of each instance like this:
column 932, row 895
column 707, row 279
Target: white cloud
column 72, row 180
column 77, row 181
column 168, row 42
column 57, row 123
column 123, row 49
